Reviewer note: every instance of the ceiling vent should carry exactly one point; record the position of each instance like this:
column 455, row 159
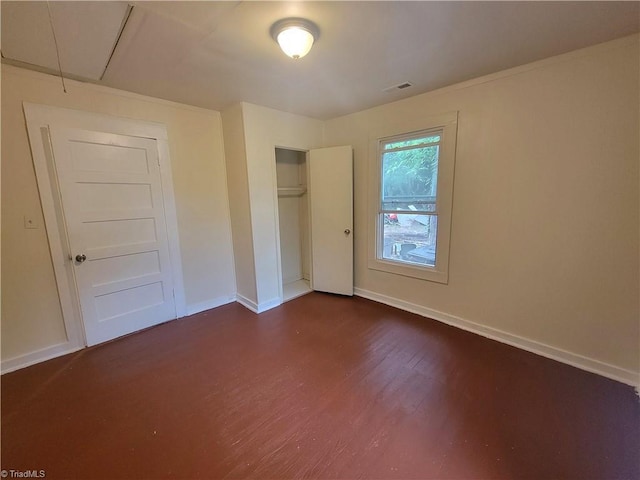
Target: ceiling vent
column 400, row 86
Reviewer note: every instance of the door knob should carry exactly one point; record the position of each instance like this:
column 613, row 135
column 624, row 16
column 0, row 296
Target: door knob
column 81, row 258
column 347, row 231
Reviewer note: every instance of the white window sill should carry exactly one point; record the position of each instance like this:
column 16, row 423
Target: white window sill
column 431, row 274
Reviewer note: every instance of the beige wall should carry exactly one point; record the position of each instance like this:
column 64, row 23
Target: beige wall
column 238, row 182
column 31, row 313
column 544, row 243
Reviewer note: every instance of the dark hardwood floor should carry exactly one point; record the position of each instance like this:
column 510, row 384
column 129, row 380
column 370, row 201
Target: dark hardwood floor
column 322, row 387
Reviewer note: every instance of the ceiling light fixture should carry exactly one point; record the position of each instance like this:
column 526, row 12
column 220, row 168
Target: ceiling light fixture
column 295, row 36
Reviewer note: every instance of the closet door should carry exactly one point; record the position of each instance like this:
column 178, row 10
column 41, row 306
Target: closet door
column 331, row 206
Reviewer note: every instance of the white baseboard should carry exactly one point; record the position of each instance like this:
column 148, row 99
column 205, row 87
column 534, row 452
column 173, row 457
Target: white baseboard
column 269, row 304
column 245, row 302
column 60, row 349
column 589, row 364
column 258, row 307
column 42, row 355
column 209, row 304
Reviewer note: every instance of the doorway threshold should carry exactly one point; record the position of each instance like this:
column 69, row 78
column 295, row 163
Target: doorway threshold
column 295, row 289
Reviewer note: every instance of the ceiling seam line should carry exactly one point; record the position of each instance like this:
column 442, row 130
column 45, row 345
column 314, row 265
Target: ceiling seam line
column 115, row 45
column 55, row 42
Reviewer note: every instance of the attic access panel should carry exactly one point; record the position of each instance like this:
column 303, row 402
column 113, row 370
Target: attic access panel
column 86, row 33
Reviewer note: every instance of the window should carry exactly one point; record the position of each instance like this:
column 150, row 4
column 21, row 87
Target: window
column 409, row 184
column 414, row 184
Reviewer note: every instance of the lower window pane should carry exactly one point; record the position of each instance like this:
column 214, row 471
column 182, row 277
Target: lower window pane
column 410, row 238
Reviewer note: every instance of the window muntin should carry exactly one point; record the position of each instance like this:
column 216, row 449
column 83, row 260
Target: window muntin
column 408, row 213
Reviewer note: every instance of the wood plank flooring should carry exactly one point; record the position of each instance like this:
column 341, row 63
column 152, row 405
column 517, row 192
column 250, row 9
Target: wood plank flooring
column 321, row 387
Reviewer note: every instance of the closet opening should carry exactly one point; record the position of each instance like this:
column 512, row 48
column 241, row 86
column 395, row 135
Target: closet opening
column 294, row 225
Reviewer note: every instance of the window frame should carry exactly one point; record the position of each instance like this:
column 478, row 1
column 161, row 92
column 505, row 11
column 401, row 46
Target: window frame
column 446, row 124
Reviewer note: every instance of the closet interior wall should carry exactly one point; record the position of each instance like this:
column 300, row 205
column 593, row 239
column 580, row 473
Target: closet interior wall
column 293, row 213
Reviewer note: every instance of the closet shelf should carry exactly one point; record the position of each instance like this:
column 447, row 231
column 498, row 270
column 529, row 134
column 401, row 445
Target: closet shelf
column 291, row 191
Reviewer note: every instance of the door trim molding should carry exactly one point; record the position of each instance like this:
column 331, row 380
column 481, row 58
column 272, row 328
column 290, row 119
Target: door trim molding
column 39, row 118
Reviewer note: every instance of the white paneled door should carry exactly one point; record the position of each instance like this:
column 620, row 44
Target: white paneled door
column 113, row 208
column 331, row 202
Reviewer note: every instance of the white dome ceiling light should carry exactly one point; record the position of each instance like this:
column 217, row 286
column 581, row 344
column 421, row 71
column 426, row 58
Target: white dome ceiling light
column 295, row 36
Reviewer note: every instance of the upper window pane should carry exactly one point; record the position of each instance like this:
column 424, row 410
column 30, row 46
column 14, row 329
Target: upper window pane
column 410, row 176
column 412, row 142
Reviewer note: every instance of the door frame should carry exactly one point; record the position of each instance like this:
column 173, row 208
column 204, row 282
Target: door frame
column 39, row 118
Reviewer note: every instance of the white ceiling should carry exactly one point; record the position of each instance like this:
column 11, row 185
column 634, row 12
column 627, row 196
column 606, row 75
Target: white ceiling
column 214, row 54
